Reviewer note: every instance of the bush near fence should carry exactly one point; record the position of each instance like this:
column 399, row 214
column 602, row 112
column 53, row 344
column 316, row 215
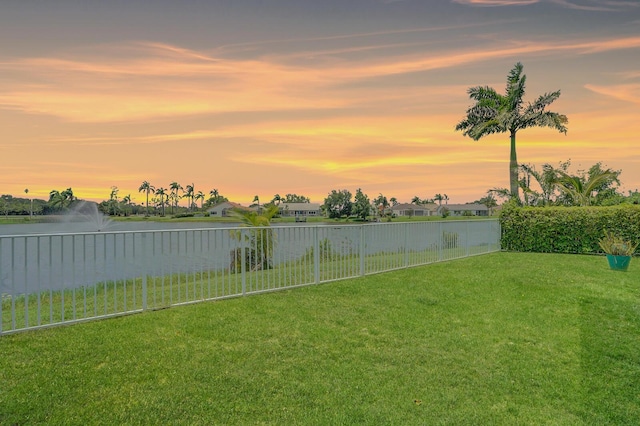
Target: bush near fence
column 566, row 229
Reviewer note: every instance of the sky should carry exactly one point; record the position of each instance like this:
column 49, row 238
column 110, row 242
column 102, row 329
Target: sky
column 265, row 97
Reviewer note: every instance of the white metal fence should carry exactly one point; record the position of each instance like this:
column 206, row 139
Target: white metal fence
column 61, row 278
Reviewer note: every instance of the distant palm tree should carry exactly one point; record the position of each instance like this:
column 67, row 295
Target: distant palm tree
column 277, row 199
column 381, row 204
column 445, row 198
column 200, row 196
column 188, row 194
column 68, row 197
column 393, row 201
column 174, row 187
column 126, row 201
column 162, row 193
column 56, row 200
column 113, row 201
column 495, row 113
column 438, row 198
column 416, row 200
column 146, row 187
column 26, row 191
column 490, row 201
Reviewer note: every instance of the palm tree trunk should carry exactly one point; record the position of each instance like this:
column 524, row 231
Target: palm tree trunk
column 513, row 168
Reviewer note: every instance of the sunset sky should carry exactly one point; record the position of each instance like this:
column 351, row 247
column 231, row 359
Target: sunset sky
column 258, row 97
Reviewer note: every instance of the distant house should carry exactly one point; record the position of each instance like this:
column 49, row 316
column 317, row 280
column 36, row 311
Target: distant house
column 299, row 210
column 406, row 209
column 223, row 209
column 460, row 209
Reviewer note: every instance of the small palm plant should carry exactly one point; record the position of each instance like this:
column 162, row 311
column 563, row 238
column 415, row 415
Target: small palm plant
column 259, row 243
column 615, row 245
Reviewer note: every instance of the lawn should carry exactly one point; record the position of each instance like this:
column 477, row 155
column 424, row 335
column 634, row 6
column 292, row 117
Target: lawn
column 504, row 338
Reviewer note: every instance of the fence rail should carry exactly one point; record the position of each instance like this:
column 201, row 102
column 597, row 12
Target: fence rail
column 52, row 279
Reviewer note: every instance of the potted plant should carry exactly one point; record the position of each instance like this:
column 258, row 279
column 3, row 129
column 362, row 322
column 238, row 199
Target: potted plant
column 618, row 250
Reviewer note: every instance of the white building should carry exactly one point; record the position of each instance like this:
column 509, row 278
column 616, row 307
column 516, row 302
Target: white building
column 223, row 209
column 460, row 209
column 299, row 209
column 406, row 209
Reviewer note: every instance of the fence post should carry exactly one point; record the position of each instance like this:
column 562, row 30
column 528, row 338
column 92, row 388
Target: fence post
column 243, row 267
column 406, row 244
column 440, row 241
column 1, row 295
column 316, row 255
column 362, row 250
column 466, row 242
column 145, row 268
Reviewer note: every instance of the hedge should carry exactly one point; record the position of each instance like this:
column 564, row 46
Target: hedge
column 566, row 229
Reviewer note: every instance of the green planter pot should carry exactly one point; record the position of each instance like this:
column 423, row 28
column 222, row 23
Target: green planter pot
column 618, row 263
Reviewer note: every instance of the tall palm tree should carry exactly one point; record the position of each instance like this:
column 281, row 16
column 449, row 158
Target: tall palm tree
column 146, row 187
column 416, row 200
column 162, row 193
column 445, row 198
column 496, row 113
column 174, row 187
column 438, row 198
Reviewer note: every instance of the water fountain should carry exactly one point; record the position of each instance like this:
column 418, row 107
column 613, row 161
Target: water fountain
column 84, row 216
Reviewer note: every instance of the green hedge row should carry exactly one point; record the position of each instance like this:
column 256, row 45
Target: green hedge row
column 566, row 229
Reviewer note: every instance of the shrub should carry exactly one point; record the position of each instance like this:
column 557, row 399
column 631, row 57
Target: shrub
column 566, row 229
column 181, row 215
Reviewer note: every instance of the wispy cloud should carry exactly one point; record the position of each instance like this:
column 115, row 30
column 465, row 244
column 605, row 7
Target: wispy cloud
column 587, row 5
column 160, row 80
column 624, row 92
column 360, row 35
column 496, row 2
column 598, row 5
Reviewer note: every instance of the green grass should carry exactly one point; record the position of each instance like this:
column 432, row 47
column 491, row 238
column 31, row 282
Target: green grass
column 505, row 338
